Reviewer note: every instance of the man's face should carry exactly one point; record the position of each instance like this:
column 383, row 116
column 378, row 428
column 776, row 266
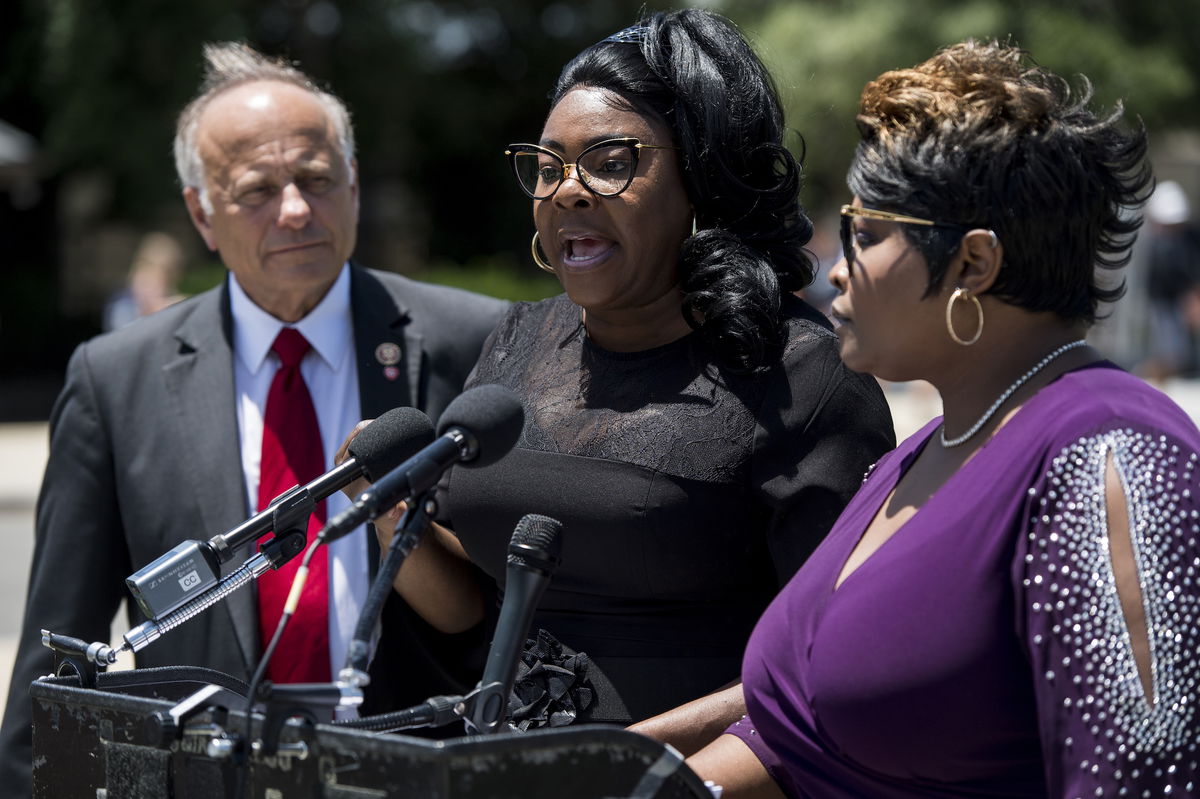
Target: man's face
column 284, row 201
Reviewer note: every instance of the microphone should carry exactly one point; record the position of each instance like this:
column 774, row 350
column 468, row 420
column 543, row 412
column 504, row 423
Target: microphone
column 193, row 567
column 478, row 428
column 533, row 555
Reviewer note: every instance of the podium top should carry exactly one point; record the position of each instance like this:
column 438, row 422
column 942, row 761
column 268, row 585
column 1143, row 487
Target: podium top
column 87, row 739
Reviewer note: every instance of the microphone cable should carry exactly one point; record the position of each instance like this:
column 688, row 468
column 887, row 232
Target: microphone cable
column 289, row 609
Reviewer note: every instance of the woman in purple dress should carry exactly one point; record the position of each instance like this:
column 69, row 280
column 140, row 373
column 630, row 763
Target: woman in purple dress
column 1010, row 606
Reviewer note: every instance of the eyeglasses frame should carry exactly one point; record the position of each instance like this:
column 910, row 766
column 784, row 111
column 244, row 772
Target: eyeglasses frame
column 846, row 232
column 632, row 142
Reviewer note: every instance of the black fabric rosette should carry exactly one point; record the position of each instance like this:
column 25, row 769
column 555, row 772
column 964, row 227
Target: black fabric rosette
column 552, row 688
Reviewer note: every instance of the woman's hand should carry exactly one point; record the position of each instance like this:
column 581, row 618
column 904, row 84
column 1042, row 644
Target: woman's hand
column 360, row 485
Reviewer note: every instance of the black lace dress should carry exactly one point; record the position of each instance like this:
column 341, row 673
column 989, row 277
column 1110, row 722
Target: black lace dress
column 688, row 495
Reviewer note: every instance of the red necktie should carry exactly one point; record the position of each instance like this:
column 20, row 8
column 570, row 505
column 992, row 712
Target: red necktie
column 292, row 455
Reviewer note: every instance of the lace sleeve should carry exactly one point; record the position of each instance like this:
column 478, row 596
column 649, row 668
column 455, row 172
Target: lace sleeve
column 1086, row 628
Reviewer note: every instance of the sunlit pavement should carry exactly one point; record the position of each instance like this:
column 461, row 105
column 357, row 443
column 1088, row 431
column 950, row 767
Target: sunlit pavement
column 23, row 449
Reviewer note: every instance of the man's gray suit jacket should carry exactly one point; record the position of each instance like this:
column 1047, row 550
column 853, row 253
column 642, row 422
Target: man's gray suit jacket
column 144, row 454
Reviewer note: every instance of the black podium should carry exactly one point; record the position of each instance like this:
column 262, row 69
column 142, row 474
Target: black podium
column 105, row 742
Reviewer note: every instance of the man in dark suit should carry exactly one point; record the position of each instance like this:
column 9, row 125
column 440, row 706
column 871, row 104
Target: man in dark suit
column 157, row 435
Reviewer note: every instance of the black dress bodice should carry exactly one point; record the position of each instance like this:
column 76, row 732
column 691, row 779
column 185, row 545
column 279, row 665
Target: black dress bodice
column 688, row 494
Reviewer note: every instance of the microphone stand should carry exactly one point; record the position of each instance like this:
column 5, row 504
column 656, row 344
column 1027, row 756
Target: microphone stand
column 316, row 702
column 408, row 535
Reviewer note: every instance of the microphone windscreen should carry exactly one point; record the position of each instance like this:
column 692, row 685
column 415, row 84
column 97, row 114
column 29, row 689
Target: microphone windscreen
column 390, row 440
column 535, row 542
column 492, row 414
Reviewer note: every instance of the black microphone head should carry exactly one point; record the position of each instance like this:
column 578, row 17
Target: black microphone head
column 492, row 415
column 536, row 543
column 390, row 440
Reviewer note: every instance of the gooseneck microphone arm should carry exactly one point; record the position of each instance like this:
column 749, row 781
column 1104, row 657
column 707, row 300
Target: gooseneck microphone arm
column 274, row 553
column 277, row 551
column 151, row 630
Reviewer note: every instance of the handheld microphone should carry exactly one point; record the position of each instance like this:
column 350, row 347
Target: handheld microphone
column 193, row 567
column 478, row 428
column 533, row 555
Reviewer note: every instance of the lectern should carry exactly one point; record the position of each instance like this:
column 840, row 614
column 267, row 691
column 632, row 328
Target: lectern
column 118, row 741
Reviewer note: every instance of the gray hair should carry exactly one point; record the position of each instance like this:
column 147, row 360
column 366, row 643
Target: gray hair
column 231, row 64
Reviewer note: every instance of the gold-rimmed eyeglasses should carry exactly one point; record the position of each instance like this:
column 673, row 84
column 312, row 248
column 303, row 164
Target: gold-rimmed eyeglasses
column 848, row 213
column 606, row 168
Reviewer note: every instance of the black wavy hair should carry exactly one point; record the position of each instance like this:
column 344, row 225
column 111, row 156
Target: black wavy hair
column 979, row 136
column 695, row 72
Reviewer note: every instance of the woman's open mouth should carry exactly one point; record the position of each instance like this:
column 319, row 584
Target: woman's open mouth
column 580, row 253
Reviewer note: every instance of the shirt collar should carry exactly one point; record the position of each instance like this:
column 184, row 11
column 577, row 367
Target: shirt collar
column 327, row 326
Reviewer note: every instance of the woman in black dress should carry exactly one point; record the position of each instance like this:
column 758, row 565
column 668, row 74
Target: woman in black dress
column 687, row 417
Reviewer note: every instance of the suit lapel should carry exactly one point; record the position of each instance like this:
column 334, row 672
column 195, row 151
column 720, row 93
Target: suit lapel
column 199, row 381
column 382, row 334
column 381, row 326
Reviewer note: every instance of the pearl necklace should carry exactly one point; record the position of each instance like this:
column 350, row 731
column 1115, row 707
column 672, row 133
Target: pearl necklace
column 1008, row 392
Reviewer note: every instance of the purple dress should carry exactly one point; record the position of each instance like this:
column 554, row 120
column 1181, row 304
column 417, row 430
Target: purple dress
column 982, row 651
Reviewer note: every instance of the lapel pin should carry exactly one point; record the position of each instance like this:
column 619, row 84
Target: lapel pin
column 388, row 354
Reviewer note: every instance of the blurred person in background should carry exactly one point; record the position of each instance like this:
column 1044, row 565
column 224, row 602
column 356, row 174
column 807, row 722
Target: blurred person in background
column 1172, row 284
column 183, row 425
column 153, row 281
column 825, row 250
column 1010, row 606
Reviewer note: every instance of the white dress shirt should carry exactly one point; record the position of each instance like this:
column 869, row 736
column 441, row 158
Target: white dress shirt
column 331, row 373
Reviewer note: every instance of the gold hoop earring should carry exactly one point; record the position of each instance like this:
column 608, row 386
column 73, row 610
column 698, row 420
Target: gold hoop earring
column 959, row 294
column 537, row 256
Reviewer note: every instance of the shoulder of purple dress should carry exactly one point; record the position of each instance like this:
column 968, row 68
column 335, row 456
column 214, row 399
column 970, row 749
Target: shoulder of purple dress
column 1101, row 395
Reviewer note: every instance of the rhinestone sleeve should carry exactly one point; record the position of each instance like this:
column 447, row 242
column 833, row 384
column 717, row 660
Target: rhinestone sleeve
column 1100, row 736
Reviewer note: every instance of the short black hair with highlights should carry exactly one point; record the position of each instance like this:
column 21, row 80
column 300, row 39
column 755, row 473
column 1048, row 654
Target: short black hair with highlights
column 981, row 136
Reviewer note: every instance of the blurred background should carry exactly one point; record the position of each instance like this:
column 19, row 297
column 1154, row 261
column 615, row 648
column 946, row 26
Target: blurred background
column 89, row 91
column 93, row 231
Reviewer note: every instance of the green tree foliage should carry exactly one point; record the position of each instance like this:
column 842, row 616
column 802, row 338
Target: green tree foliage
column 437, row 88
column 822, row 52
